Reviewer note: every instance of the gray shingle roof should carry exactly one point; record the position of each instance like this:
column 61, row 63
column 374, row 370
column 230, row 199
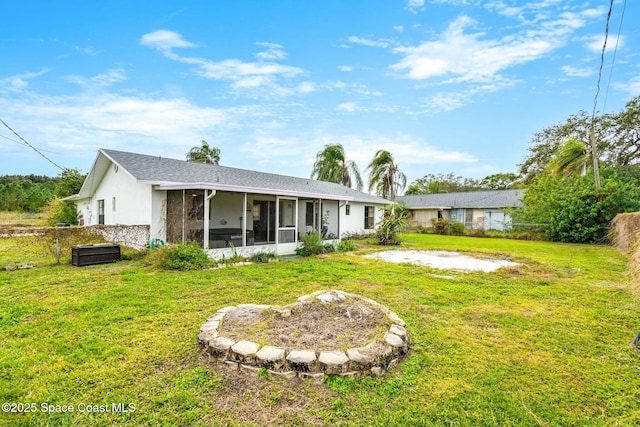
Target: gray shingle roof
column 161, row 170
column 473, row 199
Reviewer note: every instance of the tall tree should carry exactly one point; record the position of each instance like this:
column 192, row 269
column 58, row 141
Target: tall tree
column 204, row 154
column 571, row 158
column 331, row 165
column 385, row 176
column 443, row 183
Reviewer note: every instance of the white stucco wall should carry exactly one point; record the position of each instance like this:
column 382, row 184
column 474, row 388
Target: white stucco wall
column 354, row 222
column 133, row 201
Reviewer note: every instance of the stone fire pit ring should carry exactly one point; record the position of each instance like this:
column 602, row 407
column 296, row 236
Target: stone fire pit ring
column 371, row 359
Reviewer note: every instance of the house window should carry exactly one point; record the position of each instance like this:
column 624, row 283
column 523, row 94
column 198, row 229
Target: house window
column 101, row 211
column 369, row 219
column 309, row 214
column 347, row 209
column 113, row 204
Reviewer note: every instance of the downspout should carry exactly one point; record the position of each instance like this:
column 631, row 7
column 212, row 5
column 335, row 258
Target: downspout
column 183, row 216
column 205, row 226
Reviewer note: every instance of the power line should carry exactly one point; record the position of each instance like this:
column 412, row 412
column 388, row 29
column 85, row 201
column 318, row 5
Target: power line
column 31, row 146
column 604, row 46
column 613, row 60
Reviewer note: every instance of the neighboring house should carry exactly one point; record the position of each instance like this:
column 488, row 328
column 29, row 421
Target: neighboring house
column 223, row 208
column 476, row 209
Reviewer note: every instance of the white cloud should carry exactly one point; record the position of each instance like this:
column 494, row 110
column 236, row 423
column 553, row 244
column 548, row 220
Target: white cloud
column 164, row 40
column 306, row 87
column 577, row 72
column 414, row 6
column 632, row 87
column 595, row 42
column 100, row 80
column 243, row 75
column 19, row 82
column 349, row 107
column 274, row 51
column 367, row 42
column 464, row 56
column 398, row 28
column 87, row 121
column 345, row 68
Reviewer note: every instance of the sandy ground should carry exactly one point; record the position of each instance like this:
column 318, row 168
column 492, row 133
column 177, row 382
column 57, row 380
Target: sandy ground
column 442, row 259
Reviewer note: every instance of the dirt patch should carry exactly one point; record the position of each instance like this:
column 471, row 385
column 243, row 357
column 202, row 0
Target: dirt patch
column 445, row 260
column 340, row 324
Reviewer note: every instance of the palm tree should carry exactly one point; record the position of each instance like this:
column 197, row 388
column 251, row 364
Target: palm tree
column 571, row 157
column 385, row 176
column 332, row 166
column 204, row 154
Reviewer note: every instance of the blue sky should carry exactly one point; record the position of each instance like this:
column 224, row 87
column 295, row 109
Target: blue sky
column 444, row 85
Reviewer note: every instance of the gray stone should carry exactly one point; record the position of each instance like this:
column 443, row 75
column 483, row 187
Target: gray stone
column 205, row 337
column 395, row 319
column 216, row 316
column 11, row 267
column 378, row 349
column 376, row 371
column 360, row 361
column 210, row 325
column 393, row 340
column 329, row 297
column 227, row 309
column 302, row 360
column 220, row 346
column 270, row 357
column 260, row 307
column 244, row 351
column 392, row 364
column 333, row 362
column 398, row 330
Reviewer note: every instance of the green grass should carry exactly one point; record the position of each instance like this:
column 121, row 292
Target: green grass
column 544, row 343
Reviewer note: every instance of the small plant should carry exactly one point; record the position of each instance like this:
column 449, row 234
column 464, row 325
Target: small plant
column 346, row 245
column 312, row 244
column 263, row 257
column 395, row 220
column 441, row 226
column 235, row 258
column 184, row 256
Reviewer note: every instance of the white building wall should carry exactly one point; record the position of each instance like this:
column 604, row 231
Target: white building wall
column 125, row 200
column 354, row 222
column 158, row 228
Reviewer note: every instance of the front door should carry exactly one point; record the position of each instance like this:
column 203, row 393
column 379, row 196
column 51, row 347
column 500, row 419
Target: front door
column 264, row 221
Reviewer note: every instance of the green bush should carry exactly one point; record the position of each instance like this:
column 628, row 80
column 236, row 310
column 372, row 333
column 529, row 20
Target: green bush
column 263, row 257
column 184, row 256
column 573, row 210
column 441, row 226
column 457, row 228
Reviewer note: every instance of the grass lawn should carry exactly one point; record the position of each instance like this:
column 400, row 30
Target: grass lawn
column 545, row 343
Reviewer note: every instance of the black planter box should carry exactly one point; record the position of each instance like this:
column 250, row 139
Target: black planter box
column 94, row 254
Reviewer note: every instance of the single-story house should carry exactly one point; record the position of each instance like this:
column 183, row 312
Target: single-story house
column 222, row 208
column 476, row 209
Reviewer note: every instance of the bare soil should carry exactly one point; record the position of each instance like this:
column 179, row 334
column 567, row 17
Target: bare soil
column 322, row 326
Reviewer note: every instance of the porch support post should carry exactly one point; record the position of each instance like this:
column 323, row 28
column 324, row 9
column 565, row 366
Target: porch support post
column 277, row 222
column 184, row 238
column 205, row 231
column 207, row 208
column 244, row 221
